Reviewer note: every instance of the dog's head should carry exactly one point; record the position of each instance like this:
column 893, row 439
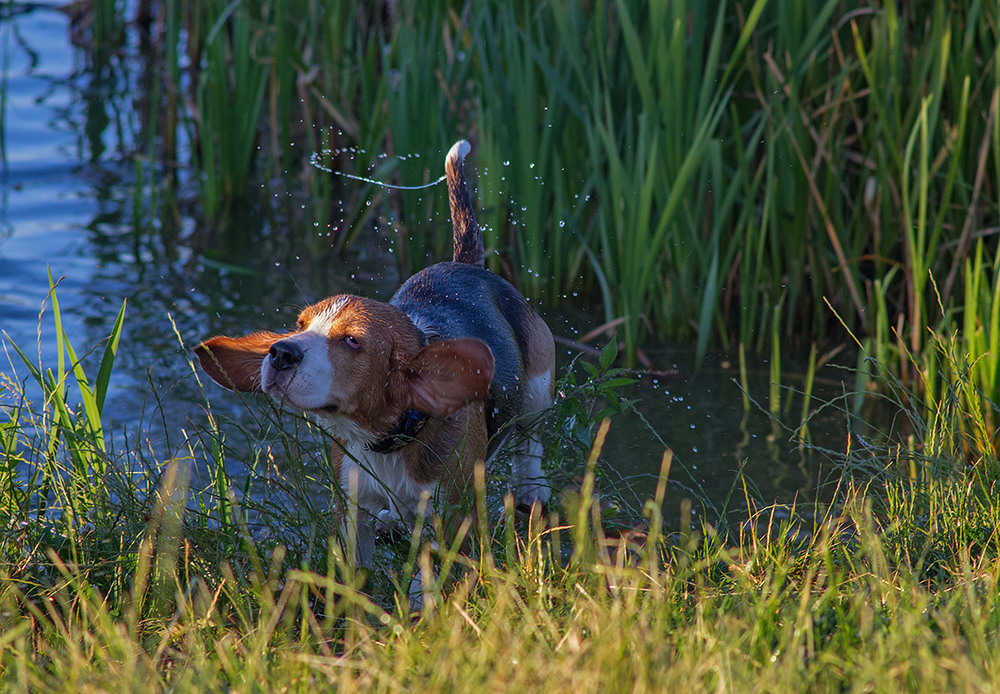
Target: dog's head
column 356, row 358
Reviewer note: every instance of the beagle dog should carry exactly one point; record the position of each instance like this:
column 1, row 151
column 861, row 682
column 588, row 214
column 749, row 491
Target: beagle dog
column 415, row 391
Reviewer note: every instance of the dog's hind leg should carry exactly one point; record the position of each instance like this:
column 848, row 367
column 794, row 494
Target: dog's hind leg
column 539, row 361
column 532, row 485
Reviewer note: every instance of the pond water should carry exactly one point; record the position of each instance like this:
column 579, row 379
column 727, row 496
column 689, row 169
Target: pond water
column 68, row 198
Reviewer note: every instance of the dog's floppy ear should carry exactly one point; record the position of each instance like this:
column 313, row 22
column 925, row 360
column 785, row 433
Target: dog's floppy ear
column 234, row 362
column 445, row 376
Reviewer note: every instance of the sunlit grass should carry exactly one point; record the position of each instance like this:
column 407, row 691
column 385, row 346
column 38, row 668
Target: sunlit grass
column 125, row 570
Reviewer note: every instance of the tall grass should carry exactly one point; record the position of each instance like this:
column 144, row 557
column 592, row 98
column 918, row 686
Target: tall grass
column 895, row 585
column 694, row 168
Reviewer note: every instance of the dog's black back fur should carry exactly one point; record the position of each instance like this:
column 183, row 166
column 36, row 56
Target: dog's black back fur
column 463, row 299
column 449, row 300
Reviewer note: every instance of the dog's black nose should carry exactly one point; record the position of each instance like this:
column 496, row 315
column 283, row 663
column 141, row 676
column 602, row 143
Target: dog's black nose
column 285, row 354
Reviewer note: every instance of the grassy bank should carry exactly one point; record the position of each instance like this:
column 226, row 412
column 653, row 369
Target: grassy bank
column 129, row 566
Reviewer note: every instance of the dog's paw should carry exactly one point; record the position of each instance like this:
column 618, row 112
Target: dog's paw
column 389, row 527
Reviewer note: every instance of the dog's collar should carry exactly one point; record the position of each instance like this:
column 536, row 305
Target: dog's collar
column 409, row 426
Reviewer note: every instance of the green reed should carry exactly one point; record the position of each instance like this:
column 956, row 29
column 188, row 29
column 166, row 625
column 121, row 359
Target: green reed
column 229, row 98
column 691, row 168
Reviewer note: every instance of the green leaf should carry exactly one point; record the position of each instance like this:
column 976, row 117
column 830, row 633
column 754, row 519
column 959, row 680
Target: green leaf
column 617, row 382
column 609, row 354
column 108, row 360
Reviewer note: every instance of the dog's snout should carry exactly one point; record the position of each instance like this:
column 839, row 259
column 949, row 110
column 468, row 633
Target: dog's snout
column 285, row 354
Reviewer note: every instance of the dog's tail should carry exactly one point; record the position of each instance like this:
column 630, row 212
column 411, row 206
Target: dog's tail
column 468, row 237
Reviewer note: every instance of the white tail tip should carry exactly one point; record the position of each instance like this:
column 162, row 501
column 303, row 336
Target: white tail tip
column 459, row 150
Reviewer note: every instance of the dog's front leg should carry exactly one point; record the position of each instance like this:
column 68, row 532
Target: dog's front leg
column 357, row 532
column 357, row 523
column 366, row 542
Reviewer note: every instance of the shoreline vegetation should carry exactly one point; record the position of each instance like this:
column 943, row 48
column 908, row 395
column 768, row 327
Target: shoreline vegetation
column 131, row 567
column 752, row 176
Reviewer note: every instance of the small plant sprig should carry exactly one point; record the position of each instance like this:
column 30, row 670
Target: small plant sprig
column 582, row 404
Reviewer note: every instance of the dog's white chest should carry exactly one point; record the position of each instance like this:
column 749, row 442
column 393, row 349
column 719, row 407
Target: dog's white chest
column 380, row 480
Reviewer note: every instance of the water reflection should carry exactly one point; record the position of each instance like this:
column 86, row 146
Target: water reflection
column 719, row 446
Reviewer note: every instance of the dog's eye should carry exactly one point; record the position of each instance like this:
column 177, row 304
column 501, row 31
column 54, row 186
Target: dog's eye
column 352, row 342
